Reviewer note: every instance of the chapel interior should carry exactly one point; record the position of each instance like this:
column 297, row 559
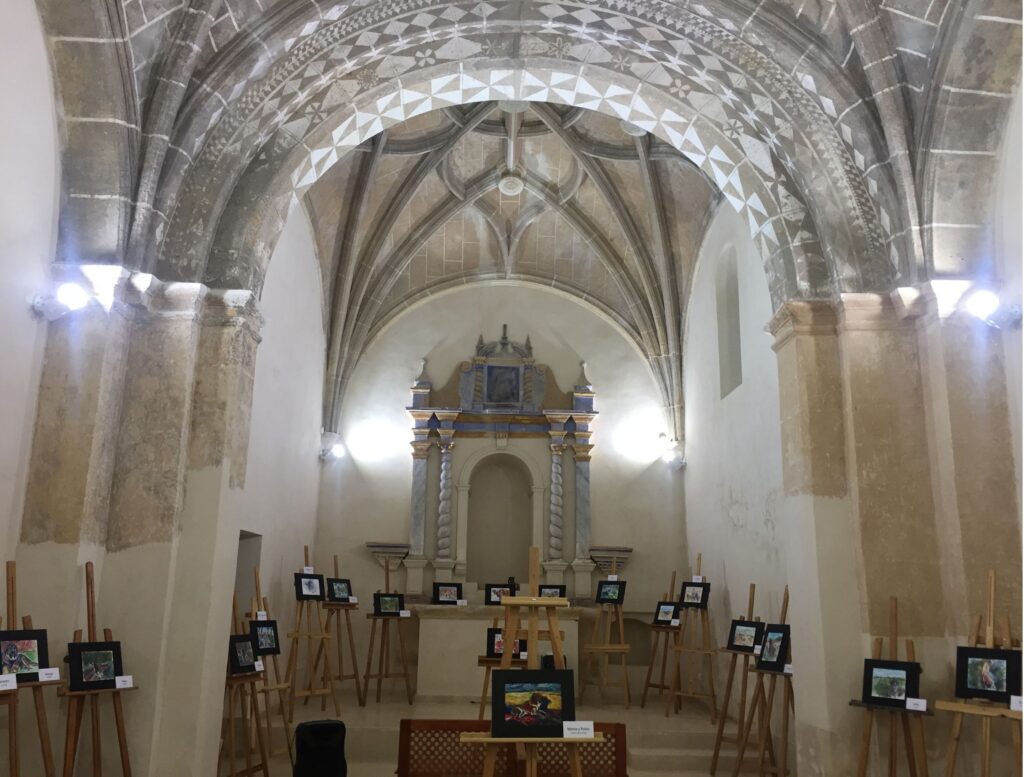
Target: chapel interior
column 425, row 296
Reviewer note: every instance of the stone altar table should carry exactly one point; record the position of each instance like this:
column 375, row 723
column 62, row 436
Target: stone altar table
column 452, row 638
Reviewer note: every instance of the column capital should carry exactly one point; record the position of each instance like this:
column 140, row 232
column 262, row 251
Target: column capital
column 802, row 317
column 421, row 448
column 582, row 452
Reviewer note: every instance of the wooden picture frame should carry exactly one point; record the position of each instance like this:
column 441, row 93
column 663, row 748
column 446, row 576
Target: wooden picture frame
column 242, row 655
column 446, row 593
column 338, row 590
column 890, row 683
column 23, row 652
column 611, row 592
column 551, row 591
column 388, row 605
column 695, row 595
column 94, row 666
column 265, row 638
column 494, row 591
column 745, row 636
column 305, row 590
column 665, row 613
column 988, row 673
column 531, row 703
column 774, row 653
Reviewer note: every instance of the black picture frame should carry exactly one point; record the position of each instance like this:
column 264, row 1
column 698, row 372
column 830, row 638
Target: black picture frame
column 448, row 588
column 302, row 589
column 385, row 605
column 15, row 656
column 688, row 589
column 611, row 592
column 88, row 671
column 491, row 588
column 503, row 384
column 551, row 591
column 665, row 613
column 531, row 703
column 334, row 588
column 242, row 655
column 494, row 641
column 970, row 663
column 890, row 683
column 745, row 636
column 774, row 653
column 258, row 630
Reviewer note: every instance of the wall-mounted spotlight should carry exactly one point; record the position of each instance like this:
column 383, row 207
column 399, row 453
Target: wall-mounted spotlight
column 331, row 446
column 69, row 297
column 85, row 284
column 673, row 452
column 985, row 305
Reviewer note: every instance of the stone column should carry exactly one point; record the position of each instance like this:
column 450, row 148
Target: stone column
column 582, row 566
column 556, row 522
column 445, row 553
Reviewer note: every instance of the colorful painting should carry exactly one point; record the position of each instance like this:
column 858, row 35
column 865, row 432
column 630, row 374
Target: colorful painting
column 889, row 683
column 986, row 674
column 20, row 656
column 745, row 636
column 98, row 666
column 772, row 647
column 533, row 704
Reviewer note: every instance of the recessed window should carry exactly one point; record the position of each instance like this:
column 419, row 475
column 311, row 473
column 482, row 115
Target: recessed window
column 727, row 304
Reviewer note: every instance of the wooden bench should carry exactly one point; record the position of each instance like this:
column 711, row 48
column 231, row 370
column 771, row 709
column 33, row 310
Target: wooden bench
column 431, row 748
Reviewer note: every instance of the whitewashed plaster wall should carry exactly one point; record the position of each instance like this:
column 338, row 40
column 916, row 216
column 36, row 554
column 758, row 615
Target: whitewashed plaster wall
column 636, row 499
column 279, row 501
column 29, row 168
column 734, row 493
column 1009, row 253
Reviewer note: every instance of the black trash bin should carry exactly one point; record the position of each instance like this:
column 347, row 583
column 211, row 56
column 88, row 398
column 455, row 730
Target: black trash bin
column 320, row 749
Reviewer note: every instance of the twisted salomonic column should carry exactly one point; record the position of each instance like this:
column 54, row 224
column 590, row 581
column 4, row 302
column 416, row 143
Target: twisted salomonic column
column 444, row 507
column 555, row 520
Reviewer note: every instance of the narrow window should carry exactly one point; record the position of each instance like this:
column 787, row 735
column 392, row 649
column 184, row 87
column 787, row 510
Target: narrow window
column 727, row 303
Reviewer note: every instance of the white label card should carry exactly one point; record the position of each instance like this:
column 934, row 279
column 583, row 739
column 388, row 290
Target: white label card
column 124, row 681
column 46, row 675
column 787, row 669
column 258, row 666
column 697, row 579
column 613, row 578
column 918, row 705
column 462, row 603
column 1015, row 703
column 757, row 650
column 307, row 571
column 353, row 600
column 405, row 614
column 261, row 615
column 523, row 655
column 8, row 682
column 675, row 622
column 578, row 729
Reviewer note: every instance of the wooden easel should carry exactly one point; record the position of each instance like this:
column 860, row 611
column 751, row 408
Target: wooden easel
column 76, row 700
column 42, row 725
column 310, row 611
column 912, row 722
column 334, row 612
column 280, row 684
column 734, row 658
column 513, row 617
column 487, row 663
column 986, row 710
column 701, row 647
column 660, row 643
column 384, row 670
column 244, row 687
column 603, row 647
column 762, row 708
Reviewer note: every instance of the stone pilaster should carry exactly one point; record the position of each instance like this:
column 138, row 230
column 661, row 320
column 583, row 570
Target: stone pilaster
column 418, row 507
column 581, row 451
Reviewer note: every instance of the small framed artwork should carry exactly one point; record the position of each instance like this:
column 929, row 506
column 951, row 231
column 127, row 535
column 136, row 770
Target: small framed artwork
column 745, row 635
column 24, row 652
column 339, row 589
column 94, row 666
column 987, row 673
column 309, row 587
column 695, row 595
column 774, row 648
column 665, row 613
column 388, row 604
column 890, row 683
column 447, row 593
column 551, row 591
column 494, row 591
column 531, row 702
column 264, row 638
column 611, row 592
column 242, row 654
column 496, row 644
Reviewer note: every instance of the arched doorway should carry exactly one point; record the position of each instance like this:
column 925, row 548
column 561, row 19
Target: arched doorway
column 500, row 525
